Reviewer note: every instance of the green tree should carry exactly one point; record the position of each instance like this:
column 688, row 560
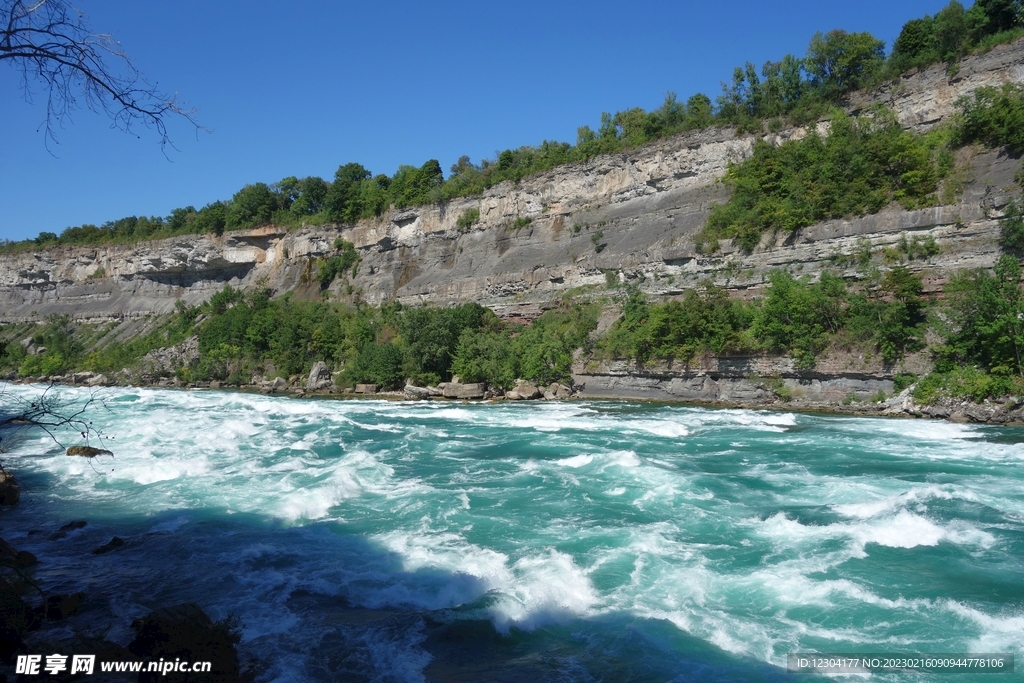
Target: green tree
column 797, row 317
column 988, row 311
column 341, row 202
column 252, row 205
column 838, row 61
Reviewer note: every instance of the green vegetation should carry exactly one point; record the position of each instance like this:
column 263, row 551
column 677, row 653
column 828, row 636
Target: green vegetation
column 859, row 167
column 705, row 322
column 994, row 117
column 341, row 264
column 797, row 89
column 796, row 316
column 468, row 219
column 955, row 32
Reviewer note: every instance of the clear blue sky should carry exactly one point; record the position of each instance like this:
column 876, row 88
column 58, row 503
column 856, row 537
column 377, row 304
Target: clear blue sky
column 299, row 88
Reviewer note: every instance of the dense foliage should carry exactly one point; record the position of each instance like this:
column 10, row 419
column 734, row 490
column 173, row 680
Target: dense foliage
column 800, row 89
column 859, row 167
column 954, row 32
column 253, row 334
column 797, row 317
column 994, row 117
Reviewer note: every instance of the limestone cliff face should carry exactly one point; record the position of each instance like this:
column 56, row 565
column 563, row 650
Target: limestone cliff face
column 627, row 216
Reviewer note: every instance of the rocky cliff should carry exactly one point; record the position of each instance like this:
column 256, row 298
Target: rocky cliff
column 624, row 217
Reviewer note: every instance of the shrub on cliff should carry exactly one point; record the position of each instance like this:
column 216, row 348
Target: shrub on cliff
column 861, row 165
column 994, row 117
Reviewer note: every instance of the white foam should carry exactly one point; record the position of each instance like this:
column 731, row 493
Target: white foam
column 546, row 589
column 999, row 633
column 666, row 428
column 901, row 530
column 576, row 461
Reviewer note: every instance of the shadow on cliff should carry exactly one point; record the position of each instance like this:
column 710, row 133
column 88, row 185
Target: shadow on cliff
column 324, row 602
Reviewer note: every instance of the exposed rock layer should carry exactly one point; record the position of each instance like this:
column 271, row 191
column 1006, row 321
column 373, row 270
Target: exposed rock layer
column 629, row 216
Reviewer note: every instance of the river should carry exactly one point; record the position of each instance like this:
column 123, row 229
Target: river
column 573, row 541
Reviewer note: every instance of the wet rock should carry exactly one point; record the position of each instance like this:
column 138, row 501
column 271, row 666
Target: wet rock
column 10, row 557
column 15, row 617
column 88, row 451
column 184, row 631
column 58, row 607
column 67, row 529
column 10, row 491
column 319, row 377
column 115, row 542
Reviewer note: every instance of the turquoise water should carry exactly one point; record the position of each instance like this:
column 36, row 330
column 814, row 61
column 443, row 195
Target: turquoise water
column 582, row 541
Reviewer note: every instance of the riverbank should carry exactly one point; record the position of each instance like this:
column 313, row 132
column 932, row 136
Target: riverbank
column 756, row 394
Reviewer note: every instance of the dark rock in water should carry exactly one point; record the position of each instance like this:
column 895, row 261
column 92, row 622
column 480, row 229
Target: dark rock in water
column 25, row 559
column 9, row 557
column 57, row 607
column 115, row 542
column 88, row 451
column 67, row 529
column 15, row 616
column 184, row 631
column 10, row 492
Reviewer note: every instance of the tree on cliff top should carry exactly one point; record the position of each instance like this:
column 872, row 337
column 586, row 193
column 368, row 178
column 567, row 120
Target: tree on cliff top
column 50, row 44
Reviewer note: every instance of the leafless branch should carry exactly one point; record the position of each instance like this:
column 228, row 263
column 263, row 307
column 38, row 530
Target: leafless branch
column 49, row 42
column 51, row 413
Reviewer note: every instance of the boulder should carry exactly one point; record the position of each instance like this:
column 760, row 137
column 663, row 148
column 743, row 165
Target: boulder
column 513, row 395
column 319, row 377
column 82, row 377
column 185, row 632
column 418, row 393
column 526, row 390
column 57, row 607
column 88, row 451
column 463, row 391
column 279, row 384
column 67, row 529
column 366, row 388
column 20, row 559
column 15, row 616
column 115, row 542
column 10, row 492
column 97, row 381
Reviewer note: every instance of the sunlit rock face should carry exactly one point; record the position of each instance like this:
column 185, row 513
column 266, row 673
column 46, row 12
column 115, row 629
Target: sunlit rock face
column 629, row 216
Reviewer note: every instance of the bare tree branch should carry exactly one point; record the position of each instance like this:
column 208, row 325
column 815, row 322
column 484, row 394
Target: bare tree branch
column 49, row 42
column 49, row 412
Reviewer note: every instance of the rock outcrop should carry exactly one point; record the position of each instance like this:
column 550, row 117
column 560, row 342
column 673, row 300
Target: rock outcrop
column 319, row 377
column 642, row 207
column 185, row 632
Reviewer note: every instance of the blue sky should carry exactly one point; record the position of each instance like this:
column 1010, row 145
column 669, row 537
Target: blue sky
column 300, row 88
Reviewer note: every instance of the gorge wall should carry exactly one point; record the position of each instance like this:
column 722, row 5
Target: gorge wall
column 628, row 216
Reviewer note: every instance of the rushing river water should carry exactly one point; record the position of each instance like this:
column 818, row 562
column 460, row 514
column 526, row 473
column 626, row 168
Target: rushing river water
column 581, row 541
